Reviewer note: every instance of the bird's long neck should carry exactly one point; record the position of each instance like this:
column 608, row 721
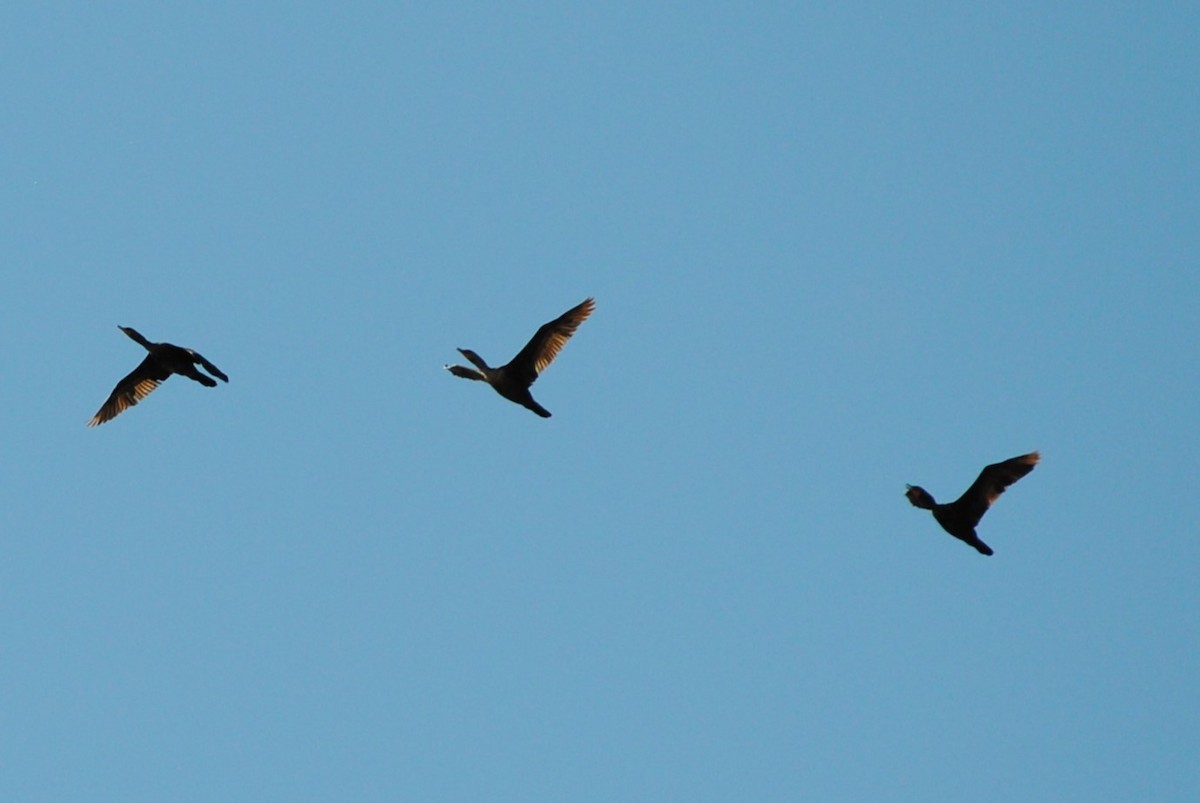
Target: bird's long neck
column 135, row 335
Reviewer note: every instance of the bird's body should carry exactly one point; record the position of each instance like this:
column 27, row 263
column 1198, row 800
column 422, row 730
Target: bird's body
column 163, row 360
column 512, row 381
column 960, row 517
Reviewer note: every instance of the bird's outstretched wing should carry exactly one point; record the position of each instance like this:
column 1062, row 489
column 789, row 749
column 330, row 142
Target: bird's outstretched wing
column 540, row 351
column 139, row 384
column 208, row 366
column 991, row 483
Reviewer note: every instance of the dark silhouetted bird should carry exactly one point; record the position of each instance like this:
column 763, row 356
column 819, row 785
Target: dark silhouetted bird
column 163, row 360
column 960, row 517
column 512, row 381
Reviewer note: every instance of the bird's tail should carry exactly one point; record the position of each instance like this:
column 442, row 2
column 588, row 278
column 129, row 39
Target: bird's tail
column 983, row 548
column 537, row 408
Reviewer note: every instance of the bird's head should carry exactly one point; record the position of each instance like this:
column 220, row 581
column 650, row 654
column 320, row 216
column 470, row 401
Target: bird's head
column 919, row 497
column 135, row 335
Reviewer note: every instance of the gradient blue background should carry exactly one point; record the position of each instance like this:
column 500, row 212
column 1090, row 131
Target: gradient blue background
column 834, row 250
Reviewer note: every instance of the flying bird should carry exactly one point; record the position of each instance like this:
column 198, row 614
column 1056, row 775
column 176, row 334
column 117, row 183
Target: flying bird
column 163, row 360
column 960, row 517
column 512, row 381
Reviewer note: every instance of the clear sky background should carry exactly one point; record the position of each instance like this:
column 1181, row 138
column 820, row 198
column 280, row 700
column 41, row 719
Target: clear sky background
column 834, row 250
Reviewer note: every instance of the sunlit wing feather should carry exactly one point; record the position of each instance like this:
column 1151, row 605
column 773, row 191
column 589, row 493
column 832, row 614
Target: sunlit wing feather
column 541, row 350
column 992, row 482
column 137, row 385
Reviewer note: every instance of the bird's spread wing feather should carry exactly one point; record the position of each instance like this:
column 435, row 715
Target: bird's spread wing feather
column 991, row 483
column 549, row 340
column 139, row 384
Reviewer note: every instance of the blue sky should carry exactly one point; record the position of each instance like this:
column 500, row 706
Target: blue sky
column 834, row 250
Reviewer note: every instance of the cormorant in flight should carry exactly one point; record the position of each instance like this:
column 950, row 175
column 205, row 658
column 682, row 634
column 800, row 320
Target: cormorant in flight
column 960, row 517
column 512, row 381
column 163, row 360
